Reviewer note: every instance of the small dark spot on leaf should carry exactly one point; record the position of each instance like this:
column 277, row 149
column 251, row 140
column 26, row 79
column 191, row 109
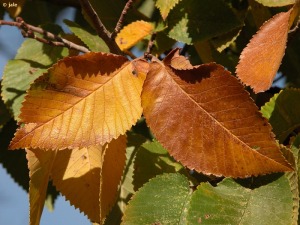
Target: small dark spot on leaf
column 134, row 72
column 207, row 216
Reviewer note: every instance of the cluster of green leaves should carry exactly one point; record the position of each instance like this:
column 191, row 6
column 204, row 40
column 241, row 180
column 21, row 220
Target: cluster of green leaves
column 160, row 141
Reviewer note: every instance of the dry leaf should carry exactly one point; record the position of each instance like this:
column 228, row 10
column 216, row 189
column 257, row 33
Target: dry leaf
column 206, row 120
column 87, row 177
column 40, row 164
column 260, row 60
column 133, row 33
column 82, row 101
column 82, row 176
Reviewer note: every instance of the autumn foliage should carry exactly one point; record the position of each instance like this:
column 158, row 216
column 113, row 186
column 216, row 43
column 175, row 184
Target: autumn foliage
column 172, row 136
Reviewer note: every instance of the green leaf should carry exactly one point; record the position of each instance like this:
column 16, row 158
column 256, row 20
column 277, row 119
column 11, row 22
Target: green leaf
column 276, row 3
column 161, row 201
column 292, row 157
column 151, row 160
column 31, row 61
column 225, row 40
column 92, row 41
column 17, row 77
column 165, row 6
column 231, row 203
column 126, row 187
column 167, row 199
column 193, row 20
column 283, row 112
column 4, row 113
column 295, row 186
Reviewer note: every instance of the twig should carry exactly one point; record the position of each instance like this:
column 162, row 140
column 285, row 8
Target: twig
column 147, row 54
column 100, row 28
column 29, row 31
column 121, row 19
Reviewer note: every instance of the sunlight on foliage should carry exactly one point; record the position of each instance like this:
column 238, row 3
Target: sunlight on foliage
column 133, row 33
column 131, row 109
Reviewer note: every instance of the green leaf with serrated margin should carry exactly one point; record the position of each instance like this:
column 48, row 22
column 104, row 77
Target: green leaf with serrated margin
column 165, row 6
column 283, row 112
column 134, row 141
column 193, row 20
column 31, row 61
column 232, row 203
column 151, row 160
column 93, row 42
column 162, row 200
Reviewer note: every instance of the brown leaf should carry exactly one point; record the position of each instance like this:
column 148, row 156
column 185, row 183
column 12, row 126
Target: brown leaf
column 260, row 60
column 177, row 61
column 82, row 101
column 206, row 120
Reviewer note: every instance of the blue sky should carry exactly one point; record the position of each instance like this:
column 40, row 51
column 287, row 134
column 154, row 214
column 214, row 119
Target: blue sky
column 14, row 204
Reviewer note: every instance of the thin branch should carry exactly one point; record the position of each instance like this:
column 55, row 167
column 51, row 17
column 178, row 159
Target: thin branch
column 147, row 54
column 29, row 31
column 121, row 19
column 100, row 28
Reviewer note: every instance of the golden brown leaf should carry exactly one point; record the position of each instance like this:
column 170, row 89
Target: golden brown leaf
column 206, row 120
column 111, row 173
column 133, row 33
column 82, row 101
column 177, row 61
column 40, row 164
column 89, row 177
column 260, row 60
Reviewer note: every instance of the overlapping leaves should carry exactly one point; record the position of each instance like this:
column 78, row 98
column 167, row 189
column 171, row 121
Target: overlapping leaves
column 84, row 100
column 84, row 176
column 167, row 199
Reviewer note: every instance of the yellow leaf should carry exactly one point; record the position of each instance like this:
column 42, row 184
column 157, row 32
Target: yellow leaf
column 82, row 101
column 89, row 177
column 133, row 33
column 39, row 163
column 111, row 173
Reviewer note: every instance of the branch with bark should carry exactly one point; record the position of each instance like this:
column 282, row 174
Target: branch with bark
column 29, row 31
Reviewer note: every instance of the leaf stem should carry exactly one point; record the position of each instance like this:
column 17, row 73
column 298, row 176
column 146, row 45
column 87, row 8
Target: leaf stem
column 100, row 28
column 121, row 19
column 28, row 31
